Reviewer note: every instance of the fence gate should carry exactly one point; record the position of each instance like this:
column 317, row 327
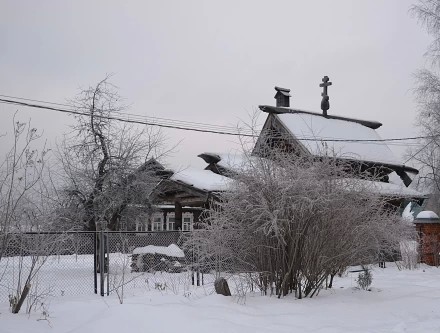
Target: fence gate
column 116, row 266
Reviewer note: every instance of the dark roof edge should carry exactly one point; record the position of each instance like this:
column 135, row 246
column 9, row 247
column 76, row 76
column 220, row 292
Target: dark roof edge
column 280, row 110
column 393, row 167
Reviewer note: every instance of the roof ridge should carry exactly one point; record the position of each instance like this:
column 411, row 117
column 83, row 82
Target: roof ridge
column 283, row 110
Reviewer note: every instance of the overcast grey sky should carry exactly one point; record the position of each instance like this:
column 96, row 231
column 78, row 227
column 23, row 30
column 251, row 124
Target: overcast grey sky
column 213, row 61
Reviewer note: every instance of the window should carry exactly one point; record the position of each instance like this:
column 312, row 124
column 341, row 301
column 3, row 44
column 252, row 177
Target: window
column 157, row 224
column 141, row 227
column 142, row 223
column 171, row 222
column 187, row 221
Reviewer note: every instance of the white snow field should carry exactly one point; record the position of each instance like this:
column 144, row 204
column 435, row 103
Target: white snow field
column 399, row 301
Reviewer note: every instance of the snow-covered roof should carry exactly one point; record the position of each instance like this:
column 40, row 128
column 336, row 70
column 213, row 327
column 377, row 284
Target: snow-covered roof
column 232, row 161
column 427, row 214
column 395, row 179
column 385, row 189
column 309, row 129
column 202, row 179
column 395, row 187
column 171, row 250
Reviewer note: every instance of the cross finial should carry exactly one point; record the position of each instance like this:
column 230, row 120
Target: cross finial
column 325, row 104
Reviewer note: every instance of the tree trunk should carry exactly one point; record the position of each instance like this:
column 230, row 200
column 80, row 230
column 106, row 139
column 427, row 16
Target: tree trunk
column 331, row 280
column 23, row 296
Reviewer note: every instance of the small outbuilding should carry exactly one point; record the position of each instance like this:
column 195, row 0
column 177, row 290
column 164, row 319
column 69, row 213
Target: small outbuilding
column 428, row 227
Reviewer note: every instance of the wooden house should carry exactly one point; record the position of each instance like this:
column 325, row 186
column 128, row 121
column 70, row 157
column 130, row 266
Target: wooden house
column 351, row 142
column 181, row 199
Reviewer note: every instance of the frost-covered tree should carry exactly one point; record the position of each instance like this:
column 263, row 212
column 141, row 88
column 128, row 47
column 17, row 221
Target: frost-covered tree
column 428, row 97
column 106, row 162
column 21, row 172
column 27, row 202
column 296, row 222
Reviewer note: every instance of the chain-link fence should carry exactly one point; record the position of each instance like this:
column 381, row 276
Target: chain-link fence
column 69, row 264
column 148, row 260
column 54, row 264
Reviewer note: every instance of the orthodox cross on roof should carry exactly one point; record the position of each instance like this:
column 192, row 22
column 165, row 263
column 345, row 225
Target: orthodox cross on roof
column 325, row 104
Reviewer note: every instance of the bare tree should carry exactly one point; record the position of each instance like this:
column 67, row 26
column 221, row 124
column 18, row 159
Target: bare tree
column 428, row 14
column 20, row 172
column 295, row 222
column 107, row 163
column 427, row 91
column 27, row 199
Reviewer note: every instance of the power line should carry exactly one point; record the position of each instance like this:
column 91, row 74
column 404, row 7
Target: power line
column 165, row 121
column 121, row 119
column 35, row 100
column 182, row 126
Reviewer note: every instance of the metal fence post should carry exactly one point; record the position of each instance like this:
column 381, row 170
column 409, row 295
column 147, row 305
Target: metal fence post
column 77, row 253
column 95, row 262
column 102, row 261
column 107, row 263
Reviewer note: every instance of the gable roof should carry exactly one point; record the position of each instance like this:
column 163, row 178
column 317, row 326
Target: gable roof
column 312, row 130
column 344, row 138
column 190, row 187
column 155, row 168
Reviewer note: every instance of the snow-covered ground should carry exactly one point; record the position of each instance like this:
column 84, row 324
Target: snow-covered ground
column 400, row 301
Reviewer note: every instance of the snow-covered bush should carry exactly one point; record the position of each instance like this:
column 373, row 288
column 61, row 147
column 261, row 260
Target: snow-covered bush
column 409, row 253
column 296, row 222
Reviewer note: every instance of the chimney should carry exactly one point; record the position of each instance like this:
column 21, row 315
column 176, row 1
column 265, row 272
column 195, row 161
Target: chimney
column 282, row 96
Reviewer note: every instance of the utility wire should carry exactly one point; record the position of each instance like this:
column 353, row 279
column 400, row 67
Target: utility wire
column 166, row 121
column 121, row 119
column 192, row 128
